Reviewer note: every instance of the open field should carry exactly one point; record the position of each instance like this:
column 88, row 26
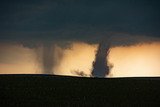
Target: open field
column 48, row 90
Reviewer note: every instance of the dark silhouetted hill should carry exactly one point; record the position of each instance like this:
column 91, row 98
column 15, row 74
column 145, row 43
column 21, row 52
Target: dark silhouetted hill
column 63, row 91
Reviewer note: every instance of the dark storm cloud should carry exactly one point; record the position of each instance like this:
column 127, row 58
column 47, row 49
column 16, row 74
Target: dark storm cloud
column 81, row 20
column 50, row 22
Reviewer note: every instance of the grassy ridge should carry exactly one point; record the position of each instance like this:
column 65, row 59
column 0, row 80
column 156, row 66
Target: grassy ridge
column 49, row 90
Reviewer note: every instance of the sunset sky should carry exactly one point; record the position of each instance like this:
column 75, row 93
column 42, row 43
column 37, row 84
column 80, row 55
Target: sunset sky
column 62, row 37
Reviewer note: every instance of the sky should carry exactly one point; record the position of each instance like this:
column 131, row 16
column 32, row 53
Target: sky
column 33, row 32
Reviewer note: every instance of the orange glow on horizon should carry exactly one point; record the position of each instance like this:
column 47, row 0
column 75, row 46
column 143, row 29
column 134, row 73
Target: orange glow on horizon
column 17, row 60
column 138, row 60
column 79, row 58
column 128, row 61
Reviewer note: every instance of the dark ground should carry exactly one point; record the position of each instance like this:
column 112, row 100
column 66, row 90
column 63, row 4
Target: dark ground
column 55, row 91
